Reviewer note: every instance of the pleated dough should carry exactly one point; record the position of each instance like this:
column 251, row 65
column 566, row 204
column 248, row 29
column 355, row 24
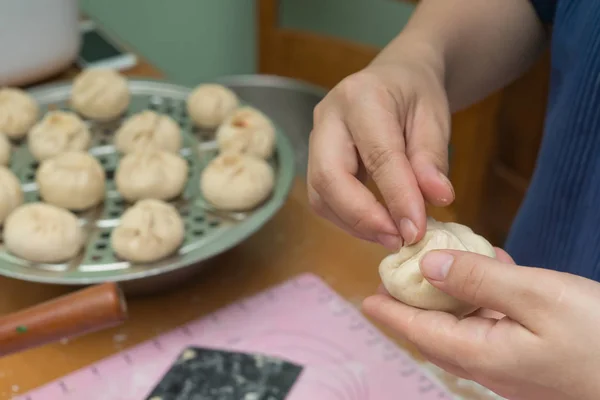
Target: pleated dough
column 100, row 94
column 5, row 150
column 146, row 130
column 209, row 104
column 401, row 274
column 11, row 194
column 74, row 180
column 18, row 112
column 152, row 174
column 58, row 132
column 237, row 182
column 149, row 231
column 247, row 130
column 43, row 233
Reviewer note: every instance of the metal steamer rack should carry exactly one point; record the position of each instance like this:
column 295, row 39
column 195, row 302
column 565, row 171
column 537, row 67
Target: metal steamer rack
column 208, row 231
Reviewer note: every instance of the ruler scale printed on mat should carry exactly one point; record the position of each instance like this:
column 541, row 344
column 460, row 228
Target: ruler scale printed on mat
column 343, row 356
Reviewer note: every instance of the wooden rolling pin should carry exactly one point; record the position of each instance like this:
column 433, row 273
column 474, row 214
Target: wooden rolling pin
column 74, row 314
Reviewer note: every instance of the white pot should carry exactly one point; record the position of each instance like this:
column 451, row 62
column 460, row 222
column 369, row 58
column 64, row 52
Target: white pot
column 38, row 38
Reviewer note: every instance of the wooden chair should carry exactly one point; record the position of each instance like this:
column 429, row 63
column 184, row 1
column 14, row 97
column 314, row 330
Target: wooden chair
column 494, row 143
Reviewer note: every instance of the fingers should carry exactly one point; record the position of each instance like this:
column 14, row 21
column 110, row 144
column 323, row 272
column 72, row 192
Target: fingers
column 448, row 367
column 334, row 191
column 486, row 313
column 503, row 256
column 377, row 130
column 526, row 295
column 427, row 137
column 323, row 210
column 435, row 333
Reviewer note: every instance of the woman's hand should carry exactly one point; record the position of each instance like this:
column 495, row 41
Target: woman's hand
column 545, row 344
column 392, row 122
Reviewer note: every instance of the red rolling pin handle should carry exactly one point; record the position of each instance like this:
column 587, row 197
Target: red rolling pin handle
column 84, row 311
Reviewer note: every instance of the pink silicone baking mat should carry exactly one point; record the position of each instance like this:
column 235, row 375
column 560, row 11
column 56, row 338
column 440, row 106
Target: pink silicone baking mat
column 302, row 320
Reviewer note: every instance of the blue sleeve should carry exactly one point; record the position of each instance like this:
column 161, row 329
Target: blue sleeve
column 545, row 10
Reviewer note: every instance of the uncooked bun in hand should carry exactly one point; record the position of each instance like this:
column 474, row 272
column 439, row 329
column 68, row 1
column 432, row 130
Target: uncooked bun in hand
column 5, row 150
column 57, row 132
column 148, row 231
column 147, row 130
column 401, row 273
column 43, row 233
column 237, row 182
column 209, row 104
column 18, row 112
column 100, row 94
column 74, row 180
column 152, row 174
column 11, row 194
column 247, row 130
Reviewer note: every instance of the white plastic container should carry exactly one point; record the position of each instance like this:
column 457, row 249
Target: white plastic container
column 38, row 38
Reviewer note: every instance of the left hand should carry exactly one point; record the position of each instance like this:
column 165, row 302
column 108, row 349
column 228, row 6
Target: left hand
column 543, row 342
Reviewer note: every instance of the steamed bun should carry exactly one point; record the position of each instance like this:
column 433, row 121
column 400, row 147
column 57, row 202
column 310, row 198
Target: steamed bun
column 5, row 150
column 74, row 180
column 148, row 130
column 237, row 182
column 57, row 132
column 247, row 130
column 209, row 104
column 148, row 231
column 11, row 194
column 43, row 233
column 152, row 174
column 100, row 94
column 18, row 112
column 401, row 274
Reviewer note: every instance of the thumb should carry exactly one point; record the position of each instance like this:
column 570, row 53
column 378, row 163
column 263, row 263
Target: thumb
column 526, row 295
column 427, row 140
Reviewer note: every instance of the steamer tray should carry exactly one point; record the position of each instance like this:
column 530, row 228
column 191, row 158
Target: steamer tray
column 208, row 231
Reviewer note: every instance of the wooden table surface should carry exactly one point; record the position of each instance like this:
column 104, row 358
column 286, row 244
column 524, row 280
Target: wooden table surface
column 293, row 242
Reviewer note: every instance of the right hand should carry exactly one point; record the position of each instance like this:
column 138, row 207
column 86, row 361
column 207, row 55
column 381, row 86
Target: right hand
column 392, row 122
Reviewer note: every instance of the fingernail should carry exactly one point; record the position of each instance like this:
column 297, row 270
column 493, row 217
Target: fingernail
column 390, row 242
column 408, row 230
column 445, row 179
column 436, row 264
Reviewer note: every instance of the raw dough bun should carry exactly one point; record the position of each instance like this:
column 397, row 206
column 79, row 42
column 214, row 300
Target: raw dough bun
column 152, row 174
column 5, row 150
column 148, row 130
column 148, row 231
column 209, row 104
column 74, row 180
column 11, row 194
column 401, row 274
column 247, row 130
column 57, row 132
column 43, row 233
column 100, row 94
column 18, row 112
column 237, row 182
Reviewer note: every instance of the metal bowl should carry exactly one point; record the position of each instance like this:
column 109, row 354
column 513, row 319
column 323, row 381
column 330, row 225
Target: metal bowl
column 208, row 231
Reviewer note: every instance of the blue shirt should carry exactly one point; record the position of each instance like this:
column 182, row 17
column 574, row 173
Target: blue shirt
column 558, row 224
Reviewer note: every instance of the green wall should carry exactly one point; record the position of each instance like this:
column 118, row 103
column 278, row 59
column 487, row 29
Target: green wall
column 195, row 40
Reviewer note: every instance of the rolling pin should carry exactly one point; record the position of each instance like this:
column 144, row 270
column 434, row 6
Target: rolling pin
column 74, row 314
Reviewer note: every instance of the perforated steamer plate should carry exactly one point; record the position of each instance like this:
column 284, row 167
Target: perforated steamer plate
column 208, row 231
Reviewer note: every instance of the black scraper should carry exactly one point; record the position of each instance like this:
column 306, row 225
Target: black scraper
column 212, row 374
